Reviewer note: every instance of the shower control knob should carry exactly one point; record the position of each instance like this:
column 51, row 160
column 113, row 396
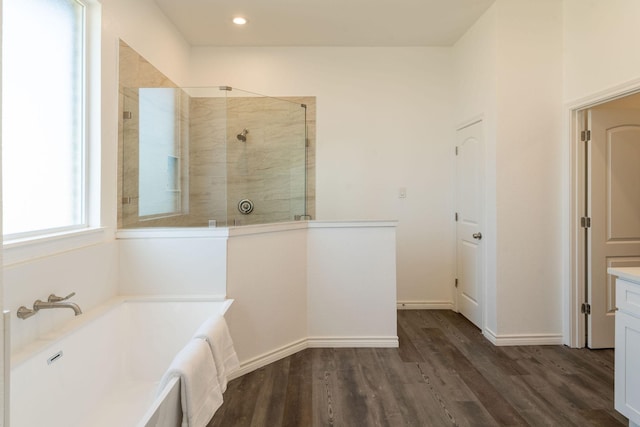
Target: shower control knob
column 245, row 206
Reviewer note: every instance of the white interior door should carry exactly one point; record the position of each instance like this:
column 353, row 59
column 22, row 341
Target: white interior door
column 469, row 210
column 613, row 205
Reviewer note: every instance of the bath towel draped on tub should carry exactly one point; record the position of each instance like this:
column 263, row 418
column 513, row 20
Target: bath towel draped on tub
column 203, row 367
column 216, row 333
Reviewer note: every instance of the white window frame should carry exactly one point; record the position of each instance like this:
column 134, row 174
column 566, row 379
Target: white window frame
column 21, row 247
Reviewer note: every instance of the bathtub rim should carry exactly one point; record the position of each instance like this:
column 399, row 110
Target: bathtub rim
column 157, row 402
column 86, row 318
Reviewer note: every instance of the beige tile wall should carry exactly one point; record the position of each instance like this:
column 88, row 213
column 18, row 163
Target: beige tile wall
column 217, row 169
column 269, row 167
column 207, row 130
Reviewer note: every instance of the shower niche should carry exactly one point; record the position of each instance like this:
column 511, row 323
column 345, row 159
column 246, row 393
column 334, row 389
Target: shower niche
column 197, row 157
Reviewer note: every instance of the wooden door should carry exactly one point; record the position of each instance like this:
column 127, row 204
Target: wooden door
column 613, row 204
column 469, row 215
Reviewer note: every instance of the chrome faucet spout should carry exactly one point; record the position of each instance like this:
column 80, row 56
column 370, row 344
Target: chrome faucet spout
column 43, row 305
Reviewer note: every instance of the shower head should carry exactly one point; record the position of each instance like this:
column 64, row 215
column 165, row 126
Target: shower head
column 242, row 136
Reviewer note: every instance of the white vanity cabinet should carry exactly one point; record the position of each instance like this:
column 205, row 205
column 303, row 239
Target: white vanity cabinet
column 627, row 352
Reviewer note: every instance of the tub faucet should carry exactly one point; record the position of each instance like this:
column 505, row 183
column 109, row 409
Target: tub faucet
column 57, row 302
column 53, row 301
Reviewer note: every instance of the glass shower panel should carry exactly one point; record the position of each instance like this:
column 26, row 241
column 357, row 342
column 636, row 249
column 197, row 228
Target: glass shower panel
column 154, row 158
column 197, row 157
column 208, row 156
column 128, row 159
column 159, row 152
column 265, row 159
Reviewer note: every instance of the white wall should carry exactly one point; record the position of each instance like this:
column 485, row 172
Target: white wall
column 509, row 66
column 529, row 168
column 143, row 26
column 172, row 264
column 351, row 269
column 475, row 61
column 91, row 272
column 295, row 284
column 384, row 121
column 315, row 284
column 267, row 275
column 600, row 46
column 600, row 41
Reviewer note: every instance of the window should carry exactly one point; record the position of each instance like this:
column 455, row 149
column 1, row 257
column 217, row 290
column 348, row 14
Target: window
column 159, row 156
column 43, row 114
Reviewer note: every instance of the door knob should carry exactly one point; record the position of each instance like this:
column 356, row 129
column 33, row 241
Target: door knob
column 477, row 236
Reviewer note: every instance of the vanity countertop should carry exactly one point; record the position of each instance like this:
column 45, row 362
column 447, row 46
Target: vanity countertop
column 631, row 274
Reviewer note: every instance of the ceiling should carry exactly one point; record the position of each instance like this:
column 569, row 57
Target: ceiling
column 323, row 22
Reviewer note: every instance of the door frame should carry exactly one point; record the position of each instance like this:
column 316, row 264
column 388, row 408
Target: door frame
column 575, row 325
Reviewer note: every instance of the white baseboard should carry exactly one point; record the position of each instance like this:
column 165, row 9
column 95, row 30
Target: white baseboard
column 425, row 305
column 522, row 339
column 341, row 342
column 381, row 342
column 312, row 342
column 270, row 357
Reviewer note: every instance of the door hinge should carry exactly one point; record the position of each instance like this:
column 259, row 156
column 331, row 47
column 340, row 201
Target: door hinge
column 456, row 283
column 585, row 135
column 585, row 308
column 127, row 115
column 585, row 222
column 456, row 216
column 456, row 151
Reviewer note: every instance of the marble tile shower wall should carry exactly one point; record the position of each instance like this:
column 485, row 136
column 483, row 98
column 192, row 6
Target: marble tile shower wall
column 218, row 170
column 269, row 168
column 207, row 130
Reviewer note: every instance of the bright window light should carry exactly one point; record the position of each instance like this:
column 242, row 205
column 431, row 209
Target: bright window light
column 159, row 153
column 43, row 114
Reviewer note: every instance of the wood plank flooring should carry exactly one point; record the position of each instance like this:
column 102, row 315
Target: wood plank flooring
column 443, row 374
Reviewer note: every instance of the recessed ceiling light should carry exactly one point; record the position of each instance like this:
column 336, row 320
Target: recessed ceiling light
column 239, row 20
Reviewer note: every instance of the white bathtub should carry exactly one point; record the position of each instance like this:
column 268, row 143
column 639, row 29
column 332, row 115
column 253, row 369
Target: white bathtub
column 105, row 368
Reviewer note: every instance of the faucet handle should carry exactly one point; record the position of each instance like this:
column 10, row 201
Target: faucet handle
column 55, row 298
column 24, row 312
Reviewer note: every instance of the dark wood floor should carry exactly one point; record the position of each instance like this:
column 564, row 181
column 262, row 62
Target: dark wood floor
column 444, row 373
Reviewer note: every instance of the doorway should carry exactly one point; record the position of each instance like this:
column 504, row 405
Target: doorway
column 608, row 208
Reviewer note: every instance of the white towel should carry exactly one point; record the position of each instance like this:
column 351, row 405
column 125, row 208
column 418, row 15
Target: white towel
column 215, row 331
column 200, row 392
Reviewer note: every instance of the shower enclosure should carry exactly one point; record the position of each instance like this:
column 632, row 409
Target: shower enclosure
column 217, row 156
